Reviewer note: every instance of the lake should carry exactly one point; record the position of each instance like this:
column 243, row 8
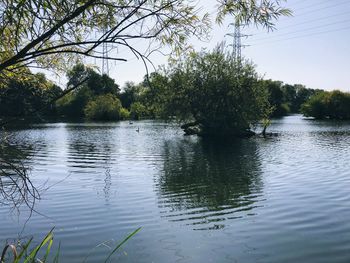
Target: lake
column 280, row 199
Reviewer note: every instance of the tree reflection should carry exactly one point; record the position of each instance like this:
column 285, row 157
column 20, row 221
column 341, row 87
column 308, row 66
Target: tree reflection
column 208, row 181
column 89, row 152
column 16, row 188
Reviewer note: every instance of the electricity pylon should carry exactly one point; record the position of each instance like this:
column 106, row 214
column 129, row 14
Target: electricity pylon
column 237, row 42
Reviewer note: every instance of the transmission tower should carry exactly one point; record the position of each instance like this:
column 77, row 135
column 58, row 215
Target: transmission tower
column 237, row 42
column 105, row 64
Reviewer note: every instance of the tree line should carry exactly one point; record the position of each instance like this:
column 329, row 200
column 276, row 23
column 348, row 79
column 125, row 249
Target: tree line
column 208, row 91
column 67, row 31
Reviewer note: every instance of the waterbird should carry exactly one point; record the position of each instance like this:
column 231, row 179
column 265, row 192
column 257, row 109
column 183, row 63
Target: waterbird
column 138, row 129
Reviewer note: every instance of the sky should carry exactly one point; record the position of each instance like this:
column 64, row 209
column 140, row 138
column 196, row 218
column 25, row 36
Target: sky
column 312, row 47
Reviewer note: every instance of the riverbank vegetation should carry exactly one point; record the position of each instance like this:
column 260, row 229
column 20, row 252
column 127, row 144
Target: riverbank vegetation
column 27, row 253
column 333, row 105
column 209, row 92
column 286, row 98
column 96, row 99
column 24, row 97
column 44, row 42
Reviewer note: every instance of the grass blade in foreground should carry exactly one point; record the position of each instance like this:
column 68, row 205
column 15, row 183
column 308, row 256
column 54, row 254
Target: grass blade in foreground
column 122, row 243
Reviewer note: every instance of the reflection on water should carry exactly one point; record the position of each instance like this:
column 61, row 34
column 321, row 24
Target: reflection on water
column 283, row 199
column 89, row 150
column 89, row 147
column 203, row 183
column 16, row 187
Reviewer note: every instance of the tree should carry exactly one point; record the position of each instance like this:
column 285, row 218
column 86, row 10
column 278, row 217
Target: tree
column 79, row 27
column 99, row 84
column 137, row 110
column 302, row 95
column 72, row 105
column 103, row 107
column 221, row 96
column 276, row 97
column 51, row 34
column 258, row 12
column 131, row 93
column 26, row 96
column 331, row 105
column 156, row 94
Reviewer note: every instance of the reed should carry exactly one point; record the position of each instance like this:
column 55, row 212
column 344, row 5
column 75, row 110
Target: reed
column 22, row 253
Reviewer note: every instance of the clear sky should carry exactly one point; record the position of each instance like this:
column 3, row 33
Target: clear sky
column 312, row 47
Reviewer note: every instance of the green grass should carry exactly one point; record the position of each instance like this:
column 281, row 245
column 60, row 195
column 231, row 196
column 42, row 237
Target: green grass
column 23, row 254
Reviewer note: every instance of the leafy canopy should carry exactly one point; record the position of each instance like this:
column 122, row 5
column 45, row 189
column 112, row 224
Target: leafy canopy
column 220, row 95
column 328, row 105
column 52, row 33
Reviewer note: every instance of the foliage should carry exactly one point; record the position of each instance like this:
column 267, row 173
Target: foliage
column 98, row 84
column 223, row 97
column 331, row 105
column 276, row 97
column 260, row 12
column 21, row 97
column 286, row 98
column 74, row 103
column 149, row 95
column 131, row 93
column 66, row 29
column 103, row 107
column 156, row 94
column 23, row 253
column 124, row 114
column 137, row 111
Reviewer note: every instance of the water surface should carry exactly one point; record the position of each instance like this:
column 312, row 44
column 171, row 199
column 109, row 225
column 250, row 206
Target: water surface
column 282, row 199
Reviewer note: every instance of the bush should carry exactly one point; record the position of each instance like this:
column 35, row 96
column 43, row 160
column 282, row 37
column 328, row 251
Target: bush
column 104, row 107
column 331, row 105
column 21, row 97
column 124, row 114
column 74, row 103
column 138, row 110
column 284, row 109
column 219, row 95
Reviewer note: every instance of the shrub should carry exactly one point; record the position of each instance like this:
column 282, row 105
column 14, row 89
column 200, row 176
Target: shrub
column 124, row 114
column 219, row 95
column 104, row 107
column 74, row 103
column 332, row 105
column 138, row 110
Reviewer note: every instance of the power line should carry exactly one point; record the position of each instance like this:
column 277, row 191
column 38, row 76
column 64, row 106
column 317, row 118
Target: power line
column 300, row 1
column 323, row 8
column 312, row 5
column 312, row 20
column 303, row 30
column 303, row 36
column 306, row 22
